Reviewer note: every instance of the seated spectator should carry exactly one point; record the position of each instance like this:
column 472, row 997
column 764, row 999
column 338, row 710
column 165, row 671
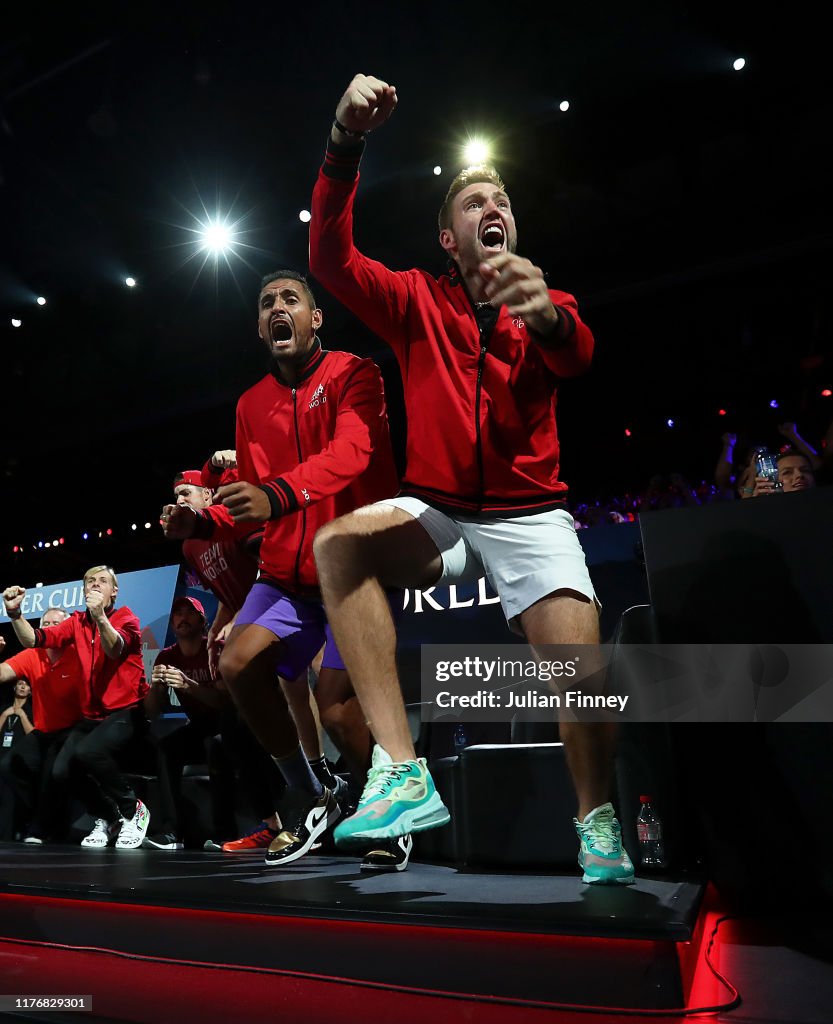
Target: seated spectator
column 15, row 724
column 57, row 684
column 183, row 669
column 107, row 641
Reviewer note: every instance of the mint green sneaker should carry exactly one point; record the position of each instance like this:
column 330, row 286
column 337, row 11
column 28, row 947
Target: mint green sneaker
column 399, row 798
column 601, row 854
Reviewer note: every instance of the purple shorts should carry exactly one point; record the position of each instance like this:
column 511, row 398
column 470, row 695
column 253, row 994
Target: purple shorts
column 301, row 625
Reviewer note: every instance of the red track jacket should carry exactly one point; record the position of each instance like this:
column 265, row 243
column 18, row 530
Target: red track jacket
column 109, row 683
column 481, row 406
column 318, row 450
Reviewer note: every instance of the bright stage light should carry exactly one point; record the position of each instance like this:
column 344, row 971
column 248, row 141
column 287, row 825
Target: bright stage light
column 130, row 282
column 305, row 216
column 739, row 64
column 16, row 322
column 41, row 301
column 216, row 237
column 564, row 106
column 477, row 151
column 438, row 170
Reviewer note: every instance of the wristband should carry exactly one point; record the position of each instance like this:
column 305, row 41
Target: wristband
column 347, row 131
column 12, row 615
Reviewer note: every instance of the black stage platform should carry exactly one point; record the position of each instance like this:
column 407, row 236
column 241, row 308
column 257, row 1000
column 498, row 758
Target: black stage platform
column 157, row 937
column 516, row 937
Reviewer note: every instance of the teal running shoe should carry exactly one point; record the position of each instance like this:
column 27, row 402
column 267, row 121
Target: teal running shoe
column 601, row 854
column 399, row 798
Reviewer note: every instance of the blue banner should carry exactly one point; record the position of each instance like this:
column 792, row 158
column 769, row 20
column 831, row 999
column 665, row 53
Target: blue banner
column 148, row 593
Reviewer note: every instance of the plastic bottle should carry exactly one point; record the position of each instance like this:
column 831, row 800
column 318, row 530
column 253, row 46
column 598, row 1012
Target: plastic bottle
column 460, row 739
column 649, row 832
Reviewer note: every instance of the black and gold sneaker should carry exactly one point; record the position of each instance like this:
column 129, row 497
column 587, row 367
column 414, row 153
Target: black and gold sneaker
column 306, row 820
column 388, row 855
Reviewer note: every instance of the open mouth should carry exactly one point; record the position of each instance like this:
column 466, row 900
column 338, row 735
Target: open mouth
column 281, row 330
column 493, row 237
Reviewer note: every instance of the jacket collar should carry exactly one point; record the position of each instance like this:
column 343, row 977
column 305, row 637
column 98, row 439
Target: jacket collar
column 311, row 364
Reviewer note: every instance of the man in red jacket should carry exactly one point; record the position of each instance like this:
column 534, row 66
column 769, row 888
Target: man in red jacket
column 480, row 351
column 107, row 641
column 312, row 443
column 56, row 681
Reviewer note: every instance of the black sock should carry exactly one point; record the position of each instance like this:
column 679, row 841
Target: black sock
column 321, row 770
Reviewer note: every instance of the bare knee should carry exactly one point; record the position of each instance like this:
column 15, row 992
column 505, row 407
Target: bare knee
column 333, row 718
column 232, row 665
column 337, row 547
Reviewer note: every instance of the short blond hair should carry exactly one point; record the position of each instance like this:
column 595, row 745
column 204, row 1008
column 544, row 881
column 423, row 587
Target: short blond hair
column 468, row 176
column 102, row 568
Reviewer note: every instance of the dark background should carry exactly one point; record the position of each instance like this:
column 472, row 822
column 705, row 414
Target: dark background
column 685, row 205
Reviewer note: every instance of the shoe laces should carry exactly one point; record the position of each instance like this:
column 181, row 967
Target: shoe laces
column 380, row 779
column 601, row 833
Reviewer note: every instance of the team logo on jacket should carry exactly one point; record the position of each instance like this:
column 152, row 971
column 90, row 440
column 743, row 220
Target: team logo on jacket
column 319, row 398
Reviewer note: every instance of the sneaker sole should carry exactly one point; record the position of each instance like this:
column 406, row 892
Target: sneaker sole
column 326, row 822
column 383, row 869
column 623, row 880
column 432, row 814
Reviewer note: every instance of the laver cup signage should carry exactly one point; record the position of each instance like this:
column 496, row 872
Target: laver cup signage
column 628, row 683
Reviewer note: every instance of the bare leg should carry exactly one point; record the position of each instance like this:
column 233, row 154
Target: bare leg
column 358, row 556
column 569, row 618
column 248, row 666
column 305, row 715
column 343, row 718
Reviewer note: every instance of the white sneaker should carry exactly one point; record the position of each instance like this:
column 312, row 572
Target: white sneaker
column 101, row 835
column 133, row 830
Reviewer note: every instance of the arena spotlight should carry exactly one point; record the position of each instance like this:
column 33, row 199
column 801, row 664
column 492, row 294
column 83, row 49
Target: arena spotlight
column 721, row 412
column 133, row 526
column 773, row 404
column 564, row 106
column 147, row 526
column 130, row 282
column 438, row 170
column 627, row 432
column 305, row 216
column 826, row 393
column 16, row 322
column 85, row 536
column 216, row 237
column 739, row 64
column 669, row 423
column 477, row 151
column 41, row 301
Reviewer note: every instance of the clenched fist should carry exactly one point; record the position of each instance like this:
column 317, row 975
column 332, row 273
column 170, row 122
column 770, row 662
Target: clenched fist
column 13, row 598
column 367, row 103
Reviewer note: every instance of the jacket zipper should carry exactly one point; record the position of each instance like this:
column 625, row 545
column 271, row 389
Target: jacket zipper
column 478, row 438
column 304, row 510
column 92, row 663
